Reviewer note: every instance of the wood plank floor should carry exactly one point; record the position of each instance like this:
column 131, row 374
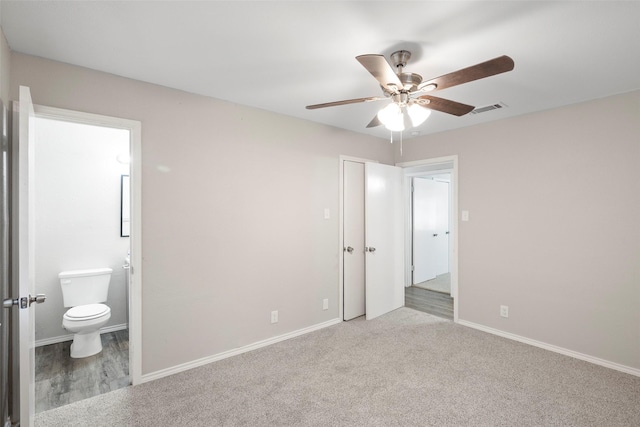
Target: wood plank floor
column 61, row 380
column 436, row 303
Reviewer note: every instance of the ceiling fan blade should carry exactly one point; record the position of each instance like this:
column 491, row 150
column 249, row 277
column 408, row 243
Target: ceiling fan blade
column 374, row 122
column 379, row 68
column 499, row 65
column 345, row 102
column 445, row 105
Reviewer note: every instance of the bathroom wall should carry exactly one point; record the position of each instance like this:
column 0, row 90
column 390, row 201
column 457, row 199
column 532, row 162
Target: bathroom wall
column 77, row 206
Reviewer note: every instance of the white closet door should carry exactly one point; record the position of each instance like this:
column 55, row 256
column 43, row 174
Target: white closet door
column 384, row 239
column 353, row 238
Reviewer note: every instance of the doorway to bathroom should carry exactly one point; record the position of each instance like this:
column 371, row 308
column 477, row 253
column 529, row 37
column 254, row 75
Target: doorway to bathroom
column 82, row 200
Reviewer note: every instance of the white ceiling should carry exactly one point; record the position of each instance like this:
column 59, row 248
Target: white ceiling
column 283, row 55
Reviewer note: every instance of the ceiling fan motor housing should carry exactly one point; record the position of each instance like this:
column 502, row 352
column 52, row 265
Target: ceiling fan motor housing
column 400, row 58
column 410, row 81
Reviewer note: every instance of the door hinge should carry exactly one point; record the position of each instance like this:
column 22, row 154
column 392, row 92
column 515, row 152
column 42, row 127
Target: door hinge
column 413, row 268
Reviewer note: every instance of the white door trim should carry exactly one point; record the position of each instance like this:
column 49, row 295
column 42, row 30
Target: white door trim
column 341, row 231
column 429, row 167
column 135, row 132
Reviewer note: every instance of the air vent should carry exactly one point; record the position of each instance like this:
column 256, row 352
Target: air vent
column 488, row 108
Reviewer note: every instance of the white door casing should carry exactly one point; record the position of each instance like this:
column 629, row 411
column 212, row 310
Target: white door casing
column 353, row 238
column 24, row 113
column 135, row 240
column 384, row 226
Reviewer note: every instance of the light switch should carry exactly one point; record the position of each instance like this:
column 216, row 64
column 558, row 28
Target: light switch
column 465, row 215
column 327, row 213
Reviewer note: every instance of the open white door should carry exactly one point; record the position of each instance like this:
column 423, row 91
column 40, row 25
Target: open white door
column 26, row 270
column 384, row 239
column 430, row 229
column 425, row 226
column 442, row 231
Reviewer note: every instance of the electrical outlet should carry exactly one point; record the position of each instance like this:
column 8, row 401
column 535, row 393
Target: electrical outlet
column 504, row 311
column 274, row 316
column 325, row 304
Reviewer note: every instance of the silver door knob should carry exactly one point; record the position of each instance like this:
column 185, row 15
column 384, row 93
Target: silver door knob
column 38, row 299
column 24, row 302
column 372, row 249
column 349, row 249
column 435, row 235
column 8, row 303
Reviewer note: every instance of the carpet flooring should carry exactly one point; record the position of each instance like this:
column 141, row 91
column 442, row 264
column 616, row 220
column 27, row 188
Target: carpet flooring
column 406, row 368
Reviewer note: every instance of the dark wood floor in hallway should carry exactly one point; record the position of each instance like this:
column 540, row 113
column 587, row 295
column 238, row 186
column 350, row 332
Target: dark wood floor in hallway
column 432, row 302
column 61, row 380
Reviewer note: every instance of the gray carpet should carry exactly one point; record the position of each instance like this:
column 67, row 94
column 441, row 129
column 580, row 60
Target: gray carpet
column 406, row 368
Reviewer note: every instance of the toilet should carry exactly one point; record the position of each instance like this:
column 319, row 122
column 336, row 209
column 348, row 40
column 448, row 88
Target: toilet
column 85, row 291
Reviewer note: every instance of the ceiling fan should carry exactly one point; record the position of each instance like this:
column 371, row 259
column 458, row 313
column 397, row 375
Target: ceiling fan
column 406, row 89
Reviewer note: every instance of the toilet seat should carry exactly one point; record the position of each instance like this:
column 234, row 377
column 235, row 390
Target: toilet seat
column 87, row 312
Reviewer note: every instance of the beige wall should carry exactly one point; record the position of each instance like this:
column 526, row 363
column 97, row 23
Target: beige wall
column 233, row 202
column 554, row 202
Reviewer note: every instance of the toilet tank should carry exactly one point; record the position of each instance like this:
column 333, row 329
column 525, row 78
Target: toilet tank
column 80, row 287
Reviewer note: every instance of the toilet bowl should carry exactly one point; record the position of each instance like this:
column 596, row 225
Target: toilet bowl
column 85, row 322
column 85, row 291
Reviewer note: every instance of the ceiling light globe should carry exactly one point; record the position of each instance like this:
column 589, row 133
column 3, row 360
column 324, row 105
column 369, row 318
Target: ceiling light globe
column 391, row 117
column 418, row 114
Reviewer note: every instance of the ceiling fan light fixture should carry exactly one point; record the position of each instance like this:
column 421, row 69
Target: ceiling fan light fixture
column 391, row 117
column 417, row 114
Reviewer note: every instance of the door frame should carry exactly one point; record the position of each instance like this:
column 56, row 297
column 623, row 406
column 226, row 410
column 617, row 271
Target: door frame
column 135, row 243
column 341, row 231
column 430, row 167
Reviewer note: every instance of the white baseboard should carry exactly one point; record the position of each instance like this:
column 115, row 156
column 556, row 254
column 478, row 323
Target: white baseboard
column 554, row 348
column 69, row 337
column 236, row 351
